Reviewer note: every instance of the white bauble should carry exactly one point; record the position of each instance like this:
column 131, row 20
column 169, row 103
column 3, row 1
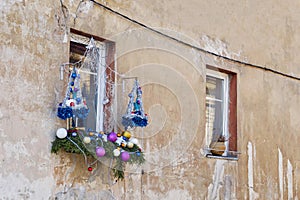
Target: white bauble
column 61, row 133
column 87, row 140
column 134, row 141
column 130, row 145
column 116, row 152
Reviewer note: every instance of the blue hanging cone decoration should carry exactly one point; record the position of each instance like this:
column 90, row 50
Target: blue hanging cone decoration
column 73, row 104
column 135, row 116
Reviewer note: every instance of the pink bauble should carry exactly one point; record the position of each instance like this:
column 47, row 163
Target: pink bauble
column 112, row 137
column 125, row 156
column 100, row 151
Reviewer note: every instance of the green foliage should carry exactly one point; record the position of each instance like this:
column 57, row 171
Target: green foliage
column 118, row 169
column 68, row 146
column 136, row 157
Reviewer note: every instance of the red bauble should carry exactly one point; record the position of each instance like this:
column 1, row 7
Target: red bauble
column 90, row 169
column 72, row 104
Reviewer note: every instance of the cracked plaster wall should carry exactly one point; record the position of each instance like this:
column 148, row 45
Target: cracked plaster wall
column 33, row 36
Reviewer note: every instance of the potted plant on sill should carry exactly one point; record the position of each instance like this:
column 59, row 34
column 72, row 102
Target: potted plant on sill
column 218, row 147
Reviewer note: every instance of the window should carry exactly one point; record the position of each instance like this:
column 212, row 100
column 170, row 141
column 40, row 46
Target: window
column 221, row 122
column 96, row 78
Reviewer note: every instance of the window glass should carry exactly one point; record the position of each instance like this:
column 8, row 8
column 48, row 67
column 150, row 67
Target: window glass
column 214, row 107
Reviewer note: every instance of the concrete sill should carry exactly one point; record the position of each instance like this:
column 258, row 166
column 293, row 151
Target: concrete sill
column 223, row 157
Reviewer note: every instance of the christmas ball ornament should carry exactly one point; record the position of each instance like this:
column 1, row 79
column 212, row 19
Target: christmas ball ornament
column 116, row 152
column 74, row 134
column 74, row 75
column 68, row 102
column 127, row 134
column 125, row 138
column 125, row 156
column 87, row 140
column 112, row 137
column 134, row 141
column 130, row 145
column 138, row 153
column 90, row 169
column 119, row 141
column 61, row 133
column 100, row 151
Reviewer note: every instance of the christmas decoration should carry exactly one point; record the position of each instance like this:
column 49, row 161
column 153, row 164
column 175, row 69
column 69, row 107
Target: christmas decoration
column 120, row 148
column 125, row 156
column 73, row 105
column 61, row 133
column 135, row 115
column 100, row 151
column 97, row 147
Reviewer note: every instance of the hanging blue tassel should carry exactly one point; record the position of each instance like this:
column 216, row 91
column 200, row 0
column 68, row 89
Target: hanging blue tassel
column 81, row 113
column 64, row 112
column 140, row 121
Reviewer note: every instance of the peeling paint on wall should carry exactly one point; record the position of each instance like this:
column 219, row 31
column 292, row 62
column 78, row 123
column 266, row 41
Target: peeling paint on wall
column 280, row 173
column 252, row 193
column 17, row 186
column 214, row 187
column 218, row 47
column 290, row 180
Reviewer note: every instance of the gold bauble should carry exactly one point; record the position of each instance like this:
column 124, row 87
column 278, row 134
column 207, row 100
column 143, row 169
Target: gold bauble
column 127, row 134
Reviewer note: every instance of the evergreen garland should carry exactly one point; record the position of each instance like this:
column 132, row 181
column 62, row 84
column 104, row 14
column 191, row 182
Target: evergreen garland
column 136, row 156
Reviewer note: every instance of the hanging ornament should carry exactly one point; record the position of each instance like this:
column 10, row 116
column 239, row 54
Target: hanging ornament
column 126, row 134
column 125, row 156
column 116, row 152
column 61, row 133
column 87, row 140
column 100, row 151
column 134, row 141
column 73, row 104
column 135, row 115
column 112, row 137
column 130, row 145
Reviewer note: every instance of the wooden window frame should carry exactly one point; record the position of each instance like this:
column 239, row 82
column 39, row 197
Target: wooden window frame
column 231, row 146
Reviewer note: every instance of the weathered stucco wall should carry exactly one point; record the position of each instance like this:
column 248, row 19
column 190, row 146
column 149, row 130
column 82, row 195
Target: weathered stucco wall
column 173, row 80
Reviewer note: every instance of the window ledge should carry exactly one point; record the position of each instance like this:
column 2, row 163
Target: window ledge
column 222, row 157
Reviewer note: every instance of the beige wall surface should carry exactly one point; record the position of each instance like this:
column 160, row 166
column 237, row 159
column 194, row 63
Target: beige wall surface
column 34, row 40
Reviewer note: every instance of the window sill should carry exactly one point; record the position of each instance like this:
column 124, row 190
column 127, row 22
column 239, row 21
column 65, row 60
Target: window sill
column 222, row 157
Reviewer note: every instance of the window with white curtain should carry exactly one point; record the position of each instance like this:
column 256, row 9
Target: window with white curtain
column 96, row 80
column 218, row 108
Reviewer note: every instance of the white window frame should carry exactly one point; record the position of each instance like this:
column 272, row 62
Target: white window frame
column 101, row 78
column 225, row 91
